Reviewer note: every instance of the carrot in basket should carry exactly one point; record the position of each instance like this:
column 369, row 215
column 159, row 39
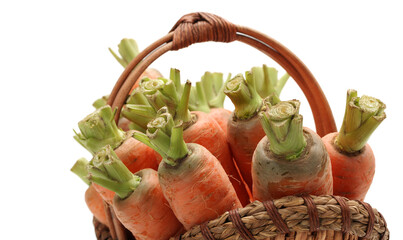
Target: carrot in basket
column 99, row 129
column 353, row 161
column 93, row 200
column 200, row 128
column 192, row 179
column 128, row 50
column 290, row 159
column 139, row 203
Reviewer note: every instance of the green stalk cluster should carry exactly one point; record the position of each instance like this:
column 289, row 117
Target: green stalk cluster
column 267, row 81
column 243, row 95
column 282, row 124
column 247, row 93
column 153, row 94
column 165, row 136
column 362, row 116
column 127, row 49
column 107, row 170
column 99, row 129
column 208, row 92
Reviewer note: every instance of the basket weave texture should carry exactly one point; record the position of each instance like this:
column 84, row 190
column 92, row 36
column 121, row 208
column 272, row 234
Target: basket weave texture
column 291, row 217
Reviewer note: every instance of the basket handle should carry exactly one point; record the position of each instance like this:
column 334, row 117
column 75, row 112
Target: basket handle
column 202, row 27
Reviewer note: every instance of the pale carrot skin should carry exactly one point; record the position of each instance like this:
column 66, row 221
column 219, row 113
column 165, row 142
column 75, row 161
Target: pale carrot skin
column 136, row 155
column 95, row 203
column 197, row 188
column 222, row 116
column 146, row 212
column 275, row 178
column 243, row 137
column 352, row 173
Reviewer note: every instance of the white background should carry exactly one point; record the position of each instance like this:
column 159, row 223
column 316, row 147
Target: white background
column 54, row 63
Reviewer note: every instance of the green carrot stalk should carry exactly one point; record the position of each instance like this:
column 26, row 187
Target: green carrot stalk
column 283, row 127
column 99, row 129
column 175, row 76
column 243, row 95
column 106, row 170
column 267, row 81
column 160, row 92
column 168, row 142
column 80, row 169
column 362, row 116
column 100, row 102
column 127, row 49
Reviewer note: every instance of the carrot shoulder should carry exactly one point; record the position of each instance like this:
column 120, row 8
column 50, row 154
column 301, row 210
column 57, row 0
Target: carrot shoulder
column 353, row 161
column 290, row 159
column 139, row 202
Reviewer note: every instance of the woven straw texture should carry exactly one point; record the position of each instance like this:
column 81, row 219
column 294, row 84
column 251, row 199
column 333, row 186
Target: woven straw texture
column 323, row 218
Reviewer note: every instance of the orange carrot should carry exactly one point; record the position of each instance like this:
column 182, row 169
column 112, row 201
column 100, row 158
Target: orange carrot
column 192, row 179
column 96, row 204
column 290, row 159
column 99, row 129
column 353, row 161
column 139, row 202
column 92, row 198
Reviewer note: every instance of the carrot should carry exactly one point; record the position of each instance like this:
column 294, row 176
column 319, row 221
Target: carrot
column 353, row 161
column 92, row 198
column 128, row 50
column 99, row 129
column 139, row 203
column 290, row 159
column 192, row 179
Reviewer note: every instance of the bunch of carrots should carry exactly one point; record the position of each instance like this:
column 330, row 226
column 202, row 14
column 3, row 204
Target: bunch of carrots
column 177, row 158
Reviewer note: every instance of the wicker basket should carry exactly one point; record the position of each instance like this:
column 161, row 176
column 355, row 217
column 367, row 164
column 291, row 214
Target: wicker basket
column 292, row 217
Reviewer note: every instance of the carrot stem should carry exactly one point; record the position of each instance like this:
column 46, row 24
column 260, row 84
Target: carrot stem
column 267, row 82
column 100, row 102
column 160, row 92
column 218, row 100
column 175, row 76
column 80, row 169
column 141, row 115
column 182, row 110
column 362, row 116
column 108, row 171
column 243, row 95
column 178, row 149
column 99, row 129
column 283, row 127
column 127, row 49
